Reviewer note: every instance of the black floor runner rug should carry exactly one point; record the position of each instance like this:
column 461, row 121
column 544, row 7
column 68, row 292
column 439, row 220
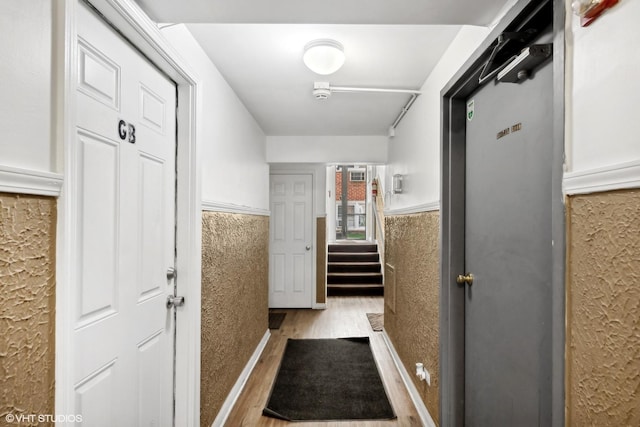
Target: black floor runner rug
column 328, row 380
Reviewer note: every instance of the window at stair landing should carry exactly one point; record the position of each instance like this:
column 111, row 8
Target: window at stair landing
column 351, row 211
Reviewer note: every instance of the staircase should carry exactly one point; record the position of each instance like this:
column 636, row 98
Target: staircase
column 354, row 269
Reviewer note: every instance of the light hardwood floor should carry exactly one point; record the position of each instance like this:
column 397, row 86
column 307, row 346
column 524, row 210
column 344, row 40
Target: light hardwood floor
column 344, row 317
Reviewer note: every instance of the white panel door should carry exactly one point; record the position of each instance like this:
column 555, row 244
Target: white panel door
column 291, row 242
column 124, row 196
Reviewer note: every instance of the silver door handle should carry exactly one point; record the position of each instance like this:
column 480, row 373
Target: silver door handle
column 308, row 247
column 174, row 301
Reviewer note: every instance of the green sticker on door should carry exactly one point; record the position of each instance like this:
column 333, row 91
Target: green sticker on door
column 470, row 110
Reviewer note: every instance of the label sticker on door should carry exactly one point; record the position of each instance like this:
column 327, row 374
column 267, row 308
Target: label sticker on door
column 470, row 110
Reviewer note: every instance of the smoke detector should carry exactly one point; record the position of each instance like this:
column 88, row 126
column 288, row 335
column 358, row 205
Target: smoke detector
column 321, row 90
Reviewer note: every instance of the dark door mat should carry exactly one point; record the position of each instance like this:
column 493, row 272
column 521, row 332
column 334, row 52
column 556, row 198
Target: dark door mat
column 328, row 380
column 376, row 320
column 275, row 320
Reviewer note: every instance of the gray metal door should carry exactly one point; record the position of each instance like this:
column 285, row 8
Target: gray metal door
column 508, row 251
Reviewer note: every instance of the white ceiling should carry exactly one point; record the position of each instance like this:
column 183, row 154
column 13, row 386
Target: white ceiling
column 402, row 12
column 263, row 63
column 257, row 45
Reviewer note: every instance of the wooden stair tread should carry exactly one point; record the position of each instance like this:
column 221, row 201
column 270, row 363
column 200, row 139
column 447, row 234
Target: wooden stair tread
column 372, row 257
column 352, row 248
column 353, row 263
column 355, row 285
column 353, row 253
column 355, row 274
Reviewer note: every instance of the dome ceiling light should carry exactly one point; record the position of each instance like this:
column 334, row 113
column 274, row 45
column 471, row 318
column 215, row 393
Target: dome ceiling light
column 323, row 56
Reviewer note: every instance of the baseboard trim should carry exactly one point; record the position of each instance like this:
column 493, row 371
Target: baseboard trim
column 209, row 206
column 423, row 412
column 25, row 181
column 234, row 394
column 319, row 306
column 425, row 207
column 614, row 177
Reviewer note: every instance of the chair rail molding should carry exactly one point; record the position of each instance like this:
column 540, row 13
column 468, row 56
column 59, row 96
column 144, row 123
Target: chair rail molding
column 212, row 206
column 27, row 181
column 425, row 207
column 608, row 178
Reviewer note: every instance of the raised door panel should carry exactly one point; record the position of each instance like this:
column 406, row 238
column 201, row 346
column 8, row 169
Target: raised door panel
column 150, row 388
column 299, row 222
column 152, row 109
column 94, row 397
column 98, row 231
column 98, row 75
column 151, row 226
column 278, row 215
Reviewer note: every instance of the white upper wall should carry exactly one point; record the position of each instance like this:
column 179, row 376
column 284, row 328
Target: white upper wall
column 234, row 168
column 415, row 150
column 327, row 149
column 602, row 129
column 603, row 120
column 25, row 85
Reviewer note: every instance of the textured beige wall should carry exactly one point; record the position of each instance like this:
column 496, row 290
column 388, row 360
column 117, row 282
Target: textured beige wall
column 27, row 304
column 235, row 301
column 412, row 247
column 603, row 310
column 321, row 261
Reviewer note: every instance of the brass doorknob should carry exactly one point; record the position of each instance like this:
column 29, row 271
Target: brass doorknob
column 462, row 279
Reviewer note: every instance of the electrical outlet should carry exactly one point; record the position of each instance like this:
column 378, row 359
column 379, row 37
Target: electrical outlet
column 422, row 373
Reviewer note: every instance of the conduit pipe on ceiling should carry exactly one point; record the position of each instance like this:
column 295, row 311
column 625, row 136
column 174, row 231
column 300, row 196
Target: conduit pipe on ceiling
column 403, row 112
column 371, row 89
column 323, row 90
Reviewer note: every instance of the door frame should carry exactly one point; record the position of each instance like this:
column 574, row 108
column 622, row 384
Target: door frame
column 368, row 199
column 452, row 298
column 131, row 22
column 330, row 203
column 314, row 226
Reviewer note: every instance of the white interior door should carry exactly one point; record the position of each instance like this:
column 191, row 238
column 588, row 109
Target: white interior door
column 291, row 235
column 123, row 189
